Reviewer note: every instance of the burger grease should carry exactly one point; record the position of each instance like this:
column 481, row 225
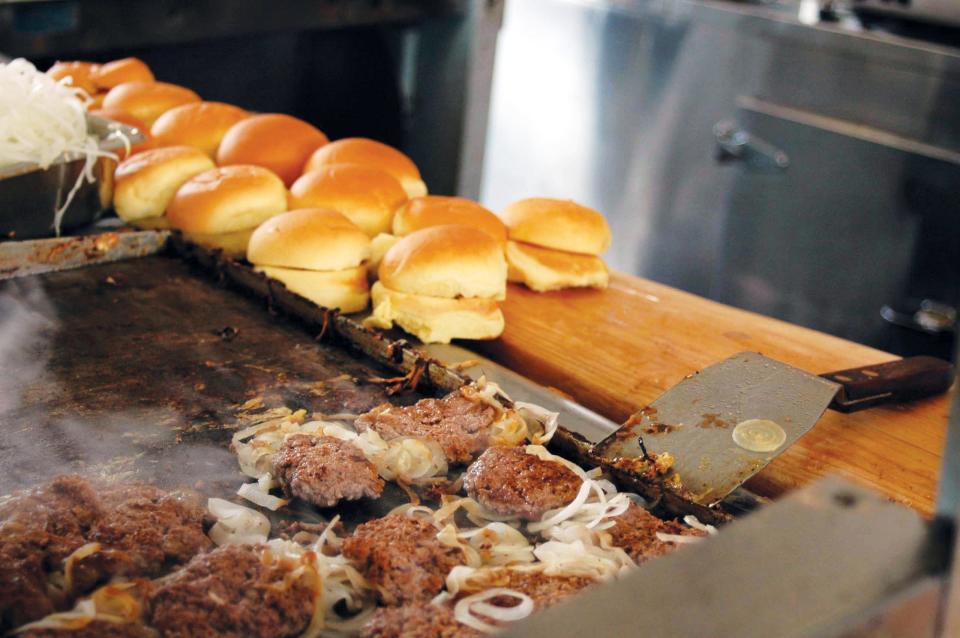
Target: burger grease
column 318, row 254
column 556, row 244
column 442, row 283
column 145, row 183
column 220, row 208
column 366, row 152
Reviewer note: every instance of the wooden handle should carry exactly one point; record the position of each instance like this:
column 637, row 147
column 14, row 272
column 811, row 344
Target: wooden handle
column 896, row 381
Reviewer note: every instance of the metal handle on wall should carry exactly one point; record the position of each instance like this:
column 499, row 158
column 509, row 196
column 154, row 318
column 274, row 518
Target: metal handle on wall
column 734, row 143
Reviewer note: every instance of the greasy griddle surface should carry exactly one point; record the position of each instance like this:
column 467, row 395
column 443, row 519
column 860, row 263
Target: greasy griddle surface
column 138, row 369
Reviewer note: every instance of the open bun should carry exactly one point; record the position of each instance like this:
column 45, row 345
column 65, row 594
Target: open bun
column 346, row 289
column 544, row 269
column 366, row 152
column 309, row 239
column 366, row 196
column 147, row 101
column 558, row 224
column 145, row 183
column 435, row 319
column 198, row 124
column 446, row 261
column 227, row 199
column 279, row 142
column 439, row 210
column 106, row 76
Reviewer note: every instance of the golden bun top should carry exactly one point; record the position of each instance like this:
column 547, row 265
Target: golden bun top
column 367, row 152
column 438, row 210
column 227, row 199
column 145, row 183
column 367, row 196
column 142, row 164
column 106, row 76
column 276, row 141
column 446, row 261
column 80, row 74
column 148, row 100
column 199, row 124
column 309, row 239
column 557, row 223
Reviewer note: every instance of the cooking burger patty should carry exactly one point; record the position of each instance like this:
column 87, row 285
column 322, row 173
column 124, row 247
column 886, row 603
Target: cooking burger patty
column 508, row 481
column 459, row 423
column 416, row 620
column 233, row 591
column 545, row 590
column 401, row 558
column 96, row 629
column 636, row 532
column 324, row 470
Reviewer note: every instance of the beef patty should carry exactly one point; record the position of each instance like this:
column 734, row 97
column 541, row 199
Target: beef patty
column 636, row 532
column 416, row 620
column 545, row 590
column 234, row 592
column 459, row 423
column 401, row 558
column 508, row 481
column 324, row 470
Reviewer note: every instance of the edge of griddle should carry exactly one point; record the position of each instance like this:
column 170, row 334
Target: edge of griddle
column 400, row 356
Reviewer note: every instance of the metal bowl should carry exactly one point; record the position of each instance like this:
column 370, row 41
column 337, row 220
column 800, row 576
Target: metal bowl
column 29, row 195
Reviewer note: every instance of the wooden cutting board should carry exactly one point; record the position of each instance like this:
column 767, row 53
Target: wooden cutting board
column 616, row 350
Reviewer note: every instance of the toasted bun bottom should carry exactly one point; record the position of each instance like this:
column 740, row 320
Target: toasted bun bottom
column 151, row 223
column 436, row 319
column 544, row 269
column 232, row 244
column 344, row 289
column 379, row 246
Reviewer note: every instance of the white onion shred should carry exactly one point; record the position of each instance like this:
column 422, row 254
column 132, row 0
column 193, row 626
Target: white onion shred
column 694, row 522
column 43, row 121
column 678, row 539
column 466, row 609
column 253, row 493
column 236, row 524
column 542, row 424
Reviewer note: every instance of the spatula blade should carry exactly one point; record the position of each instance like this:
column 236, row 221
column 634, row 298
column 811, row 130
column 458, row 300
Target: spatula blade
column 701, row 422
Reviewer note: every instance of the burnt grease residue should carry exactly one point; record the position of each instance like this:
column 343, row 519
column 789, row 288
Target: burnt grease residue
column 660, row 428
column 712, row 420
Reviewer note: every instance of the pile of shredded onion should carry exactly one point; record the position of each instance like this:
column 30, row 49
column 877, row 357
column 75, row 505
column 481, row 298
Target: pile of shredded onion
column 236, row 524
column 43, row 121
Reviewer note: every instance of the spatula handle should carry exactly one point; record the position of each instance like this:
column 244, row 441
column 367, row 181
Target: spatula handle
column 893, row 382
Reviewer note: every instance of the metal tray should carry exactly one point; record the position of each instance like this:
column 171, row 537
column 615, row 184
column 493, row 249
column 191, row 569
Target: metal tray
column 29, row 195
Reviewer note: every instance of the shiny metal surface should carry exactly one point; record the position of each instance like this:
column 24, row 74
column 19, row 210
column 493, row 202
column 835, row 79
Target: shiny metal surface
column 614, row 103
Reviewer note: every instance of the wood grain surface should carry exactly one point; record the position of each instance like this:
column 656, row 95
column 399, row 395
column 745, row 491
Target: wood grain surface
column 616, row 350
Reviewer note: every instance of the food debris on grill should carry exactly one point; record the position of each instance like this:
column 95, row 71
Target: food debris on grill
column 323, row 470
column 511, row 482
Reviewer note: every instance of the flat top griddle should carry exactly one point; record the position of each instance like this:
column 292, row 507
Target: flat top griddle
column 142, row 369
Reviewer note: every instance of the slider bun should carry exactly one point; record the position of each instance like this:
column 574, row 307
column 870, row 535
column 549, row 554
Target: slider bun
column 366, row 196
column 125, row 118
column 106, row 76
column 557, row 223
column 309, row 239
column 199, row 124
column 435, row 319
column 147, row 100
column 227, row 199
column 438, row 210
column 279, row 142
column 232, row 244
column 544, row 269
column 145, row 183
column 446, row 261
column 379, row 246
column 344, row 289
column 360, row 150
column 80, row 74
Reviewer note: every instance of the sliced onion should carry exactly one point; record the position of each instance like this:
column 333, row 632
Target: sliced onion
column 546, row 419
column 237, row 524
column 677, row 538
column 465, row 608
column 695, row 523
column 253, row 493
column 565, row 512
column 80, row 616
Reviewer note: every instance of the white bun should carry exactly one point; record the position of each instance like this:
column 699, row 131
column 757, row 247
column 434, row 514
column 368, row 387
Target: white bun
column 309, row 239
column 438, row 210
column 366, row 152
column 227, row 199
column 558, row 224
column 366, row 196
column 544, row 269
column 344, row 289
column 446, row 261
column 434, row 319
column 379, row 246
column 145, row 183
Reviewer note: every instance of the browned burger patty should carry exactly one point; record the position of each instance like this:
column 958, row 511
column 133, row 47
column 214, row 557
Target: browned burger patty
column 231, row 592
column 96, row 629
column 545, row 590
column 323, row 470
column 401, row 558
column 416, row 620
column 636, row 532
column 508, row 481
column 458, row 423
